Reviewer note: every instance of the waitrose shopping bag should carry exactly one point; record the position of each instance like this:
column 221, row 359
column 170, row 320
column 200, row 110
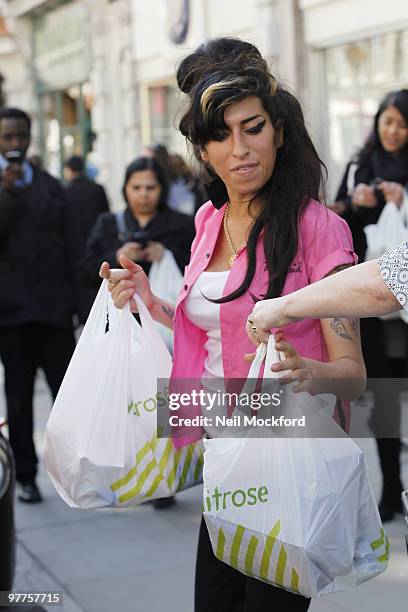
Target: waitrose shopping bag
column 101, row 447
column 298, row 513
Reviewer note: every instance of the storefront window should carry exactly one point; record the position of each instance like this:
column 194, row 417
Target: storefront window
column 359, row 74
column 164, row 104
column 66, row 125
column 61, row 64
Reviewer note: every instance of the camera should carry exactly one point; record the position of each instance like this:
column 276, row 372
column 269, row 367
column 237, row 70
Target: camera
column 14, row 157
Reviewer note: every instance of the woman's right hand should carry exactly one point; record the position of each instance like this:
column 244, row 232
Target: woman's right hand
column 124, row 283
column 364, row 196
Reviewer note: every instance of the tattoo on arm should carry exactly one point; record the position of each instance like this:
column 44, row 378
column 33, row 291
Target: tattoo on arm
column 168, row 311
column 339, row 327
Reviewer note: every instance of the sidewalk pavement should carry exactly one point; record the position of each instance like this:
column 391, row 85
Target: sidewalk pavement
column 142, row 559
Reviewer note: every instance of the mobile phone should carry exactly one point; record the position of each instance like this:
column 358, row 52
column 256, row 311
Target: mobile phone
column 14, row 157
column 141, row 238
column 377, row 192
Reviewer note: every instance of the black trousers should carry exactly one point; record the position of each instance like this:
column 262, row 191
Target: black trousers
column 221, row 588
column 385, row 421
column 24, row 349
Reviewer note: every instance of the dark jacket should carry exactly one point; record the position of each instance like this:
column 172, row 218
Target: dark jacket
column 172, row 229
column 378, row 164
column 86, row 200
column 358, row 217
column 37, row 249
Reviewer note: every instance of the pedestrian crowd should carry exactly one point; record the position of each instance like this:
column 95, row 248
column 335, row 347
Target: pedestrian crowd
column 261, row 232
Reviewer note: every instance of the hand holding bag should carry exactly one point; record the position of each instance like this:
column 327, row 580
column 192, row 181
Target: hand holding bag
column 101, row 447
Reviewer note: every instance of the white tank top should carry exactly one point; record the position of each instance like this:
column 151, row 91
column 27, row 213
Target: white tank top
column 206, row 315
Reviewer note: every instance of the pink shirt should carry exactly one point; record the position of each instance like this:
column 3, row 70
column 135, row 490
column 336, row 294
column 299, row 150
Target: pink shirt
column 325, row 242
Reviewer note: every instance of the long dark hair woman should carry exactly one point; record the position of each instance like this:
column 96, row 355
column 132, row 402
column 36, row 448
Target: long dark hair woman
column 145, row 228
column 261, row 234
column 377, row 175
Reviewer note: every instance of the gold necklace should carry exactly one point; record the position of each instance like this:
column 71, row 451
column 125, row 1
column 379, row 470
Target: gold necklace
column 229, row 240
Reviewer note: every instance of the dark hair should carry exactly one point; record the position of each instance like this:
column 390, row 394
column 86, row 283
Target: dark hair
column 224, row 71
column 75, row 163
column 179, row 167
column 399, row 99
column 15, row 113
column 160, row 152
column 149, row 163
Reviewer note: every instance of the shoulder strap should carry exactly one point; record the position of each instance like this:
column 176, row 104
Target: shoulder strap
column 121, row 225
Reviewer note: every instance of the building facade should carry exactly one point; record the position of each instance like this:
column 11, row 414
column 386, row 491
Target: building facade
column 75, row 67
column 98, row 76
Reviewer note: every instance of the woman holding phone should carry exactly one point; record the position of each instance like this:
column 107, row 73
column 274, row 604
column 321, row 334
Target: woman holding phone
column 145, row 229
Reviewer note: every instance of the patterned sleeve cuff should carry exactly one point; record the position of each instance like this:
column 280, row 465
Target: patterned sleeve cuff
column 394, row 270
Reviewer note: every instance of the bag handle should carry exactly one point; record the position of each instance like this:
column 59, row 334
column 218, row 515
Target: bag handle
column 148, row 324
column 103, row 311
column 265, row 352
column 268, row 353
column 272, row 356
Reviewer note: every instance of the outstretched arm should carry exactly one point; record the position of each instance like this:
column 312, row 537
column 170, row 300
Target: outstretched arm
column 359, row 291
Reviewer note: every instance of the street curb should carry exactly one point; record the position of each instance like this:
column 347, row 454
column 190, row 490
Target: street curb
column 32, row 575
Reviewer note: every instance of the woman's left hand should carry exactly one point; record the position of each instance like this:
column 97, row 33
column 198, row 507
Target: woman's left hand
column 296, row 368
column 154, row 251
column 393, row 192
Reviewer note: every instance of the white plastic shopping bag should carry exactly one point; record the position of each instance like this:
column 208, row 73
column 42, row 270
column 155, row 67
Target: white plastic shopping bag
column 101, row 445
column 298, row 513
column 390, row 230
column 165, row 281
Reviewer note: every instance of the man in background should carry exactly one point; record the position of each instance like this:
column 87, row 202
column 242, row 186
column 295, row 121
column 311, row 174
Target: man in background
column 86, row 200
column 37, row 290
